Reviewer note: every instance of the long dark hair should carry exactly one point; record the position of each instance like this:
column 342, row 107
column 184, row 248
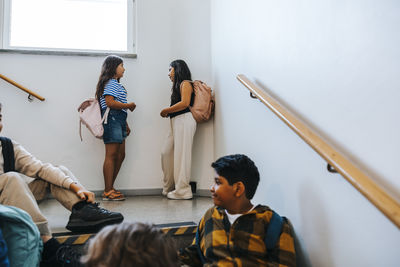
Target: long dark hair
column 108, row 71
column 182, row 73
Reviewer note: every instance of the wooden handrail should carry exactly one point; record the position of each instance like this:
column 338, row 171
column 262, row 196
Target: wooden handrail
column 22, row 88
column 363, row 183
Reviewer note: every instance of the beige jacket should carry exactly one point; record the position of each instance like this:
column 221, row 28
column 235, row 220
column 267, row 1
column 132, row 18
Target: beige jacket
column 27, row 164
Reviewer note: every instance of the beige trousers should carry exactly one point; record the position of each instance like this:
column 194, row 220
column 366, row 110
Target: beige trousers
column 176, row 154
column 24, row 192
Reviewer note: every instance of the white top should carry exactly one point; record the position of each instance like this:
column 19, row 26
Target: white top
column 232, row 217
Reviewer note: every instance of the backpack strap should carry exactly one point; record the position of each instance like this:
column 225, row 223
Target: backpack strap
column 8, row 154
column 105, row 116
column 273, row 231
column 199, row 252
column 80, row 130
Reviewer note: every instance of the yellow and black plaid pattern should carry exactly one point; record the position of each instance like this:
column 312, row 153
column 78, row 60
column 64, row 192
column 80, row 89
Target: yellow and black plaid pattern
column 242, row 244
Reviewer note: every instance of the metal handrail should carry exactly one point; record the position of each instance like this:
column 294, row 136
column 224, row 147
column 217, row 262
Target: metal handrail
column 30, row 93
column 362, row 182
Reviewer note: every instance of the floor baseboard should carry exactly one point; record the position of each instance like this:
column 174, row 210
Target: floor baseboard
column 147, row 192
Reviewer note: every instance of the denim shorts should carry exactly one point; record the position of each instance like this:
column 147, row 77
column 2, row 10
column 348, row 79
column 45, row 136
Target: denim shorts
column 115, row 129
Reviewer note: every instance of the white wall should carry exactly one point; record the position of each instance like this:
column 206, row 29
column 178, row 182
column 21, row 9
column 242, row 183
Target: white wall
column 167, row 30
column 336, row 64
column 333, row 62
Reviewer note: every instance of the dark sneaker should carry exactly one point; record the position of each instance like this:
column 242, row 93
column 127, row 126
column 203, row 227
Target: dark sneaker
column 91, row 218
column 65, row 256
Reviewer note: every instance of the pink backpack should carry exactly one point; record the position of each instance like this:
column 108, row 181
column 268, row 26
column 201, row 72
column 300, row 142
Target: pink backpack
column 203, row 106
column 90, row 116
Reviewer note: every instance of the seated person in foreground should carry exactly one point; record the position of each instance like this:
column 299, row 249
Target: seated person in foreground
column 24, row 180
column 131, row 244
column 235, row 232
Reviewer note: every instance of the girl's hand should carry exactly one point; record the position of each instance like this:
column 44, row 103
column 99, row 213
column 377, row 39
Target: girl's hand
column 164, row 113
column 131, row 106
column 128, row 130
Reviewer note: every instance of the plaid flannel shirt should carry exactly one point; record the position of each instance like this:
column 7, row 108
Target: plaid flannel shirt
column 242, row 243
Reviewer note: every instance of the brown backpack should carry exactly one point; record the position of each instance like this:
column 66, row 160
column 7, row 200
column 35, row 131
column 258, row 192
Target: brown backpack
column 203, row 106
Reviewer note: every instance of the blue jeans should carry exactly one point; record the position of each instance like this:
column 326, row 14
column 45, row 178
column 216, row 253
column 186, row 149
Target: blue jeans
column 115, row 129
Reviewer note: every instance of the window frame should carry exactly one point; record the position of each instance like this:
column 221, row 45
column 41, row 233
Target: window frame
column 6, row 48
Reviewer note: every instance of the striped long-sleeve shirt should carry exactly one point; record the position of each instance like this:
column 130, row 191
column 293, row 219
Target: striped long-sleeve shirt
column 242, row 243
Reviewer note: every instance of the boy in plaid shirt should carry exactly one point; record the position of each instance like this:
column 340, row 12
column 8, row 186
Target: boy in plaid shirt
column 234, row 231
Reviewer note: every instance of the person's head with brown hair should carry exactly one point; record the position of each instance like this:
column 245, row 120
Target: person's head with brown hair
column 131, row 244
column 108, row 71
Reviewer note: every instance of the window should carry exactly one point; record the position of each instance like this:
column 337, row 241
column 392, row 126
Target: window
column 68, row 26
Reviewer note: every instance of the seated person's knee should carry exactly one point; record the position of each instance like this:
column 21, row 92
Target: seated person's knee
column 14, row 178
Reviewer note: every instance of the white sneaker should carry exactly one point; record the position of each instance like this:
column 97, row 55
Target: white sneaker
column 174, row 195
column 165, row 191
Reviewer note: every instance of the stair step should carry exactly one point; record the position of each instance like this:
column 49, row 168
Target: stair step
column 182, row 232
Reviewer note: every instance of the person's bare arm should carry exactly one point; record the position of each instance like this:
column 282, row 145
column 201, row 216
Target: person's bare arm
column 112, row 103
column 186, row 94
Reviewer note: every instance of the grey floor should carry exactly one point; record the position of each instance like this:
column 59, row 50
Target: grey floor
column 152, row 209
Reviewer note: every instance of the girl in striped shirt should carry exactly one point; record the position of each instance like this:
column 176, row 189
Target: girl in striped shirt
column 111, row 94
